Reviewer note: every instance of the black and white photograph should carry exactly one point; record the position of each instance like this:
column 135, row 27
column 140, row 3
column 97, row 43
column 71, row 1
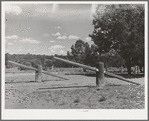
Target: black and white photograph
column 74, row 60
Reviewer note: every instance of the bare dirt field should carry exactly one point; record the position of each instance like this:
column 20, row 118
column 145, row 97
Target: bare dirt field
column 78, row 92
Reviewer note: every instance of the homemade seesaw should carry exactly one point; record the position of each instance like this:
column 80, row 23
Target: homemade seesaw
column 99, row 71
column 38, row 72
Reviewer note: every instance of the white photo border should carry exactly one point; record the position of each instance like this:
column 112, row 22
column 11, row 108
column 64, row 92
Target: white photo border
column 61, row 114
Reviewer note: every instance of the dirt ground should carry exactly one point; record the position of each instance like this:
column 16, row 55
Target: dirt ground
column 78, row 92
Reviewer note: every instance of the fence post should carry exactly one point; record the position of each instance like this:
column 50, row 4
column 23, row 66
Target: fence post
column 100, row 74
column 38, row 74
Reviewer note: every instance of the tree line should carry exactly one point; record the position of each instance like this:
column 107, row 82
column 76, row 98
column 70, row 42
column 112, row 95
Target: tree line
column 33, row 60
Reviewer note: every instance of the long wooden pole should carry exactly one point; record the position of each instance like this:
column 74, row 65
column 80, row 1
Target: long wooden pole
column 21, row 65
column 119, row 77
column 34, row 69
column 95, row 69
column 77, row 64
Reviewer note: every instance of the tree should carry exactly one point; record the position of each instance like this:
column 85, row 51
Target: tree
column 35, row 62
column 120, row 27
column 7, row 57
column 93, row 56
column 80, row 51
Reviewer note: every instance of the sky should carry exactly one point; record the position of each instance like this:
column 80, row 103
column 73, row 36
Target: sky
column 46, row 28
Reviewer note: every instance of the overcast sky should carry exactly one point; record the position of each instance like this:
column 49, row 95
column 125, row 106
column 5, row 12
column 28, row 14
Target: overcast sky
column 46, row 28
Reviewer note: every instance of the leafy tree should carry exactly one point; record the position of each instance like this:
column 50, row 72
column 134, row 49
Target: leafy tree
column 80, row 51
column 35, row 62
column 7, row 57
column 93, row 56
column 114, row 59
column 120, row 27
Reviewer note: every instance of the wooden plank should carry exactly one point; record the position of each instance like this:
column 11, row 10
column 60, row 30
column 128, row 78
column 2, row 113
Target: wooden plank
column 77, row 64
column 18, row 64
column 120, row 77
column 32, row 68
